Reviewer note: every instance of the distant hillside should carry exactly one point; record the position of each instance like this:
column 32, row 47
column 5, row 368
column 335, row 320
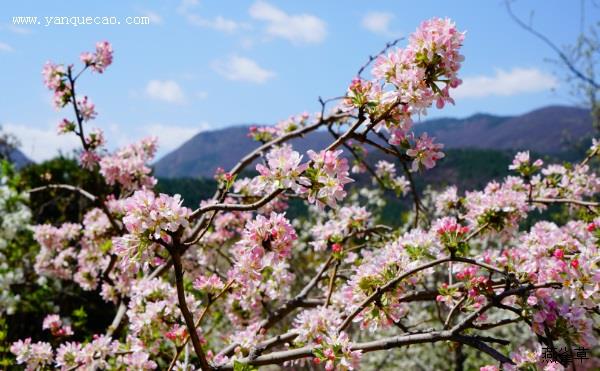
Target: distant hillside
column 18, row 158
column 549, row 130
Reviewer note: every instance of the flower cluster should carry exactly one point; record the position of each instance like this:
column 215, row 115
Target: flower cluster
column 152, row 218
column 499, row 205
column 212, row 285
column 283, row 170
column 425, row 153
column 55, row 79
column 328, row 174
column 99, row 60
column 127, row 166
column 153, row 312
column 34, row 355
column 315, row 324
column 451, row 234
column 266, row 240
column 260, row 269
column 378, row 268
column 53, row 323
column 87, row 110
column 268, row 133
column 57, row 256
column 386, row 171
column 340, row 224
column 407, row 82
column 522, row 164
column 335, row 352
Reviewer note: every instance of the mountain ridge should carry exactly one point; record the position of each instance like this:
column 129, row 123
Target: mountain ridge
column 536, row 130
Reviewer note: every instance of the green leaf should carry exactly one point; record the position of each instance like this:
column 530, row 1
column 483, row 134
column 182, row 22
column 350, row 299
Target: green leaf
column 239, row 366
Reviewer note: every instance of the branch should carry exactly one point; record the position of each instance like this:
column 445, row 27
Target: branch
column 238, row 207
column 117, row 319
column 68, row 187
column 78, row 117
column 185, row 312
column 85, row 194
column 388, row 286
column 388, row 45
column 287, row 307
column 580, row 75
column 198, row 322
column 371, row 346
column 589, row 204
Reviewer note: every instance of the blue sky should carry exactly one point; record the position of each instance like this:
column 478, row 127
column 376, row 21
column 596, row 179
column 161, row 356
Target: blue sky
column 202, row 64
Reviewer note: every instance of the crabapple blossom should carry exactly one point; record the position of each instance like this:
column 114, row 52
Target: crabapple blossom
column 33, row 355
column 268, row 239
column 95, row 138
column 65, row 126
column 386, row 171
column 268, row 133
column 53, row 323
column 336, row 354
column 99, row 60
column 212, row 284
column 340, row 223
column 127, row 166
column 313, row 325
column 87, row 109
column 425, row 152
column 522, row 164
column 67, row 355
column 283, row 170
column 331, row 286
column 328, row 175
column 152, row 217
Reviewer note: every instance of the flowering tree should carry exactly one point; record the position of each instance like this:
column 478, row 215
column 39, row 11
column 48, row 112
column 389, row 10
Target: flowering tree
column 234, row 284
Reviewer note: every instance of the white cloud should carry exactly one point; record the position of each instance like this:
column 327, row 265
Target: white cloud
column 219, row 23
column 41, row 143
column 165, row 90
column 19, row 30
column 238, row 68
column 506, row 83
column 186, row 5
column 378, row 22
column 297, row 28
column 4, row 47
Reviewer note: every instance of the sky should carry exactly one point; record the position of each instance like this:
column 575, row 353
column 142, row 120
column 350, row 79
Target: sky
column 201, row 65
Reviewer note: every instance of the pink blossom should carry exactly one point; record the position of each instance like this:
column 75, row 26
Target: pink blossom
column 86, row 109
column 212, row 284
column 328, row 174
column 65, row 126
column 152, row 217
column 67, row 355
column 127, row 166
column 53, row 323
column 282, row 171
column 99, row 60
column 33, row 355
column 425, row 152
column 55, row 79
column 95, row 138
column 89, row 159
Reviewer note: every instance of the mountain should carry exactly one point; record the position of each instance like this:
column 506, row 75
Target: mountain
column 17, row 157
column 549, row 130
